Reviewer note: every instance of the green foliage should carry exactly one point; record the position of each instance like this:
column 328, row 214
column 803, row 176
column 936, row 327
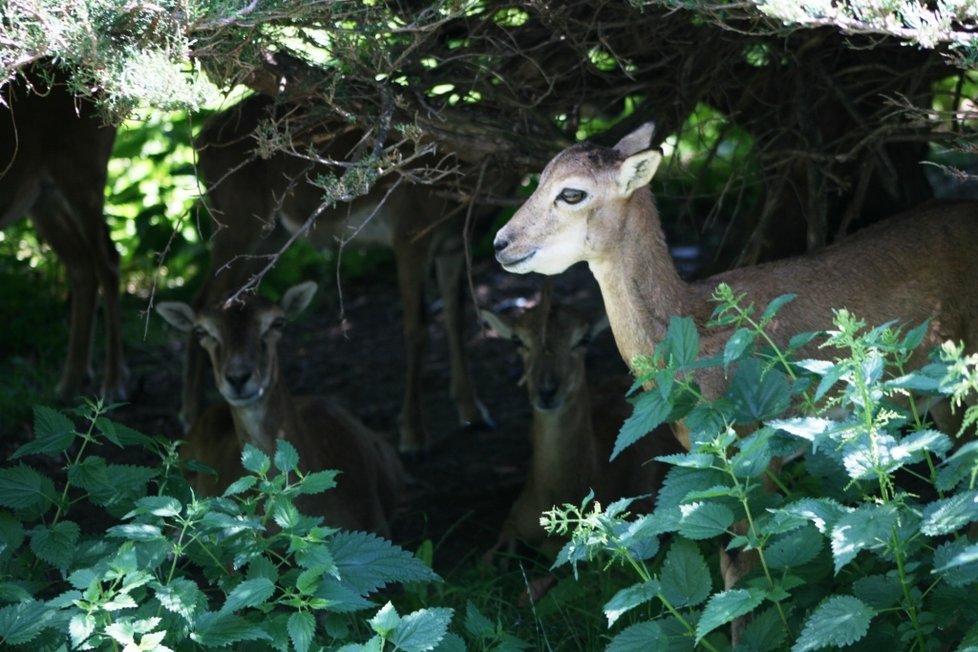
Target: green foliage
column 175, row 571
column 865, row 536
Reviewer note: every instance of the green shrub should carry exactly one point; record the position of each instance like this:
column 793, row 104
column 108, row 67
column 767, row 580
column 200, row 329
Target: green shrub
column 863, row 543
column 173, row 571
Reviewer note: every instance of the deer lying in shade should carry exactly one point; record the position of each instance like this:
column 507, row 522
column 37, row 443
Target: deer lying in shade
column 574, row 425
column 242, row 341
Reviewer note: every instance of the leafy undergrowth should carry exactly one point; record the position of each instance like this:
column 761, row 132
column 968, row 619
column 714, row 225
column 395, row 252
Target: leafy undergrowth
column 859, row 542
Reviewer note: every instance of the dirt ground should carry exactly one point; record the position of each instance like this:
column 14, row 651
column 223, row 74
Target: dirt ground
column 462, row 490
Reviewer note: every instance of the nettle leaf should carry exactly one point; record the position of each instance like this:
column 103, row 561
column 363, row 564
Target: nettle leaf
column 342, row 598
column 950, row 514
column 688, row 460
column 757, row 393
column 807, row 428
column 23, row 622
column 641, row 637
column 22, row 487
column 878, row 591
column 122, row 435
column 866, row 528
column 764, row 632
column 685, row 577
column 476, row 624
column 775, row 305
column 135, row 532
column 11, row 534
column 704, row 520
column 724, row 607
column 161, row 506
column 422, row 630
column 92, row 475
column 302, row 628
column 680, row 482
column 254, row 460
column 55, row 544
column 318, row 482
column 735, row 347
column 385, row 620
column 250, row 593
column 241, row 485
column 286, row 456
column 823, row 513
column 317, row 555
column 367, row 562
column 962, row 463
column 754, row 455
column 839, row 621
column 181, row 596
column 629, row 598
column 53, row 434
column 957, row 562
column 795, row 548
column 682, row 341
column 221, row 629
column 649, row 411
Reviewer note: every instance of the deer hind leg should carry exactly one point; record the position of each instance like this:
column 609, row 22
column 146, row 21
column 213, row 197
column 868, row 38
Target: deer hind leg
column 450, row 268
column 83, row 244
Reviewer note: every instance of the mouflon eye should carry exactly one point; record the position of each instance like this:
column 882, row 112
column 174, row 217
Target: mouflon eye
column 200, row 331
column 572, row 195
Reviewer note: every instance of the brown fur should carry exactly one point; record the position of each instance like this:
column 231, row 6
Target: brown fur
column 54, row 153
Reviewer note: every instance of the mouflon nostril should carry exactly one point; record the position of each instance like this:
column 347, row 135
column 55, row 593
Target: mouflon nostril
column 499, row 244
column 546, row 395
column 237, row 380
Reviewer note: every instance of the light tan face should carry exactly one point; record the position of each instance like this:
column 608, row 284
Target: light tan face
column 553, row 346
column 242, row 342
column 577, row 209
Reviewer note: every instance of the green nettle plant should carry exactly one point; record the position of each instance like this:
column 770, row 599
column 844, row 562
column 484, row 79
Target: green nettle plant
column 863, row 540
column 124, row 557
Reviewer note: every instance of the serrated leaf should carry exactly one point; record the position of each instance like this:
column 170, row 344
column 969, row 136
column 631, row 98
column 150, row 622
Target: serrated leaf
column 181, row 596
column 950, row 514
column 23, row 622
column 422, row 630
column 22, row 487
column 724, row 607
column 704, row 520
column 649, row 411
column 222, row 629
column 682, row 341
column 254, row 460
column 122, row 435
column 765, row 632
column 302, row 628
column 878, row 591
column 754, row 453
column 385, row 620
column 286, row 456
column 823, row 513
column 318, row 482
column 53, row 434
column 757, row 393
column 55, row 544
column 775, row 305
column 685, row 577
column 367, row 562
column 80, row 628
column 11, row 534
column 680, row 482
column 839, row 621
column 241, row 485
column 807, row 428
column 285, row 514
column 688, row 460
column 476, row 624
column 957, row 561
column 734, row 349
column 135, row 532
column 317, row 555
column 162, row 506
column 629, row 598
column 640, row 637
column 454, row 643
column 867, row 528
column 250, row 593
column 795, row 548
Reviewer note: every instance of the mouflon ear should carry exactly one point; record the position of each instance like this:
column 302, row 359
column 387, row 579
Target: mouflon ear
column 637, row 170
column 177, row 314
column 639, row 139
column 297, row 298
